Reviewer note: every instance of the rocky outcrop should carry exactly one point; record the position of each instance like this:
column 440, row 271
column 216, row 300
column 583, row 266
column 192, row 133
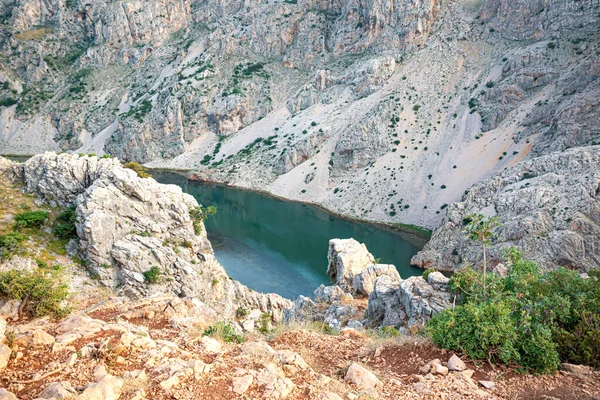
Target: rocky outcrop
column 347, row 258
column 523, row 19
column 548, row 207
column 391, row 300
column 139, row 235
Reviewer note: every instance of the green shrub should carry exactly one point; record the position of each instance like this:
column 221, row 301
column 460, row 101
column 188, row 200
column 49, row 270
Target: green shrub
column 141, row 171
column 199, row 214
column 64, row 225
column 263, row 323
column 10, row 244
column 241, row 312
column 427, row 272
column 31, row 219
column 41, row 291
column 532, row 318
column 224, row 332
column 152, row 275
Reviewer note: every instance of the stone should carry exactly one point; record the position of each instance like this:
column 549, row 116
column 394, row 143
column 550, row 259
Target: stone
column 58, row 390
column 242, row 383
column 347, row 258
column 440, row 369
column 5, row 353
column 364, row 282
column 6, row 395
column 108, row 388
column 576, row 369
column 456, row 364
column 362, row 377
column 487, row 384
column 211, row 345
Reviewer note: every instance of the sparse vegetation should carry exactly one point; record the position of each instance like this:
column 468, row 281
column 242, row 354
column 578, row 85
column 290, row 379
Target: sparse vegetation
column 199, row 214
column 152, row 276
column 64, row 225
column 223, row 331
column 41, row 291
column 141, row 171
column 30, row 219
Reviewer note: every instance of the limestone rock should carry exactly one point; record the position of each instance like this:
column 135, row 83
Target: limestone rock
column 552, row 197
column 6, row 395
column 211, row 345
column 5, row 353
column 576, row 369
column 58, row 390
column 347, row 258
column 362, row 377
column 109, row 388
column 456, row 364
column 242, row 383
column 364, row 282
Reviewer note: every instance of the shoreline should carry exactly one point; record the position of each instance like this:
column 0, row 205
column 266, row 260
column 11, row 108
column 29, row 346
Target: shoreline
column 408, row 232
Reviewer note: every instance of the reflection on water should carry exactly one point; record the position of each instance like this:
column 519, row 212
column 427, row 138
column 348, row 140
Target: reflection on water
column 278, row 246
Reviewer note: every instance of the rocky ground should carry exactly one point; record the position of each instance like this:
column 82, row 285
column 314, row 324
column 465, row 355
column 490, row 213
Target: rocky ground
column 154, row 349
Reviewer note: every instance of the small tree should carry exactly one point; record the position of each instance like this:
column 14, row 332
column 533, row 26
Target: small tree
column 481, row 229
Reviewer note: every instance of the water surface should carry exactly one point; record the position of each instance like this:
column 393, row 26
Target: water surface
column 279, row 246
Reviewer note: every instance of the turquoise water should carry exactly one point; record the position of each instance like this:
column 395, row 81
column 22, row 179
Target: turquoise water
column 279, row 246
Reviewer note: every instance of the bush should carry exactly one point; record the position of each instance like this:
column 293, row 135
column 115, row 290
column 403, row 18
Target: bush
column 64, row 225
column 10, row 244
column 152, row 275
column 199, row 214
column 530, row 318
column 427, row 272
column 224, row 332
column 31, row 219
column 141, row 171
column 41, row 292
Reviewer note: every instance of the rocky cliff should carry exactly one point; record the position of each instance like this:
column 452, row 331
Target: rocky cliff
column 549, row 207
column 127, row 226
column 385, row 111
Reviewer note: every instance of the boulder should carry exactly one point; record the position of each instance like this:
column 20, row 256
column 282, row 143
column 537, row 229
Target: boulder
column 242, row 383
column 362, row 377
column 456, row 364
column 364, row 282
column 6, row 395
column 108, row 388
column 58, row 390
column 347, row 258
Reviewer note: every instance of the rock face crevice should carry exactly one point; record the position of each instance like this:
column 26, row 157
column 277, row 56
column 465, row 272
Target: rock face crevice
column 127, row 225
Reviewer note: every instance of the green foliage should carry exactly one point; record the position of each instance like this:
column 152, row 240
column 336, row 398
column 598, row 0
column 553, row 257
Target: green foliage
column 10, row 244
column 141, row 171
column 41, row 291
column 199, row 214
column 152, row 275
column 7, row 102
column 241, row 312
column 427, row 272
column 224, row 332
column 263, row 323
column 64, row 225
column 532, row 318
column 31, row 219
